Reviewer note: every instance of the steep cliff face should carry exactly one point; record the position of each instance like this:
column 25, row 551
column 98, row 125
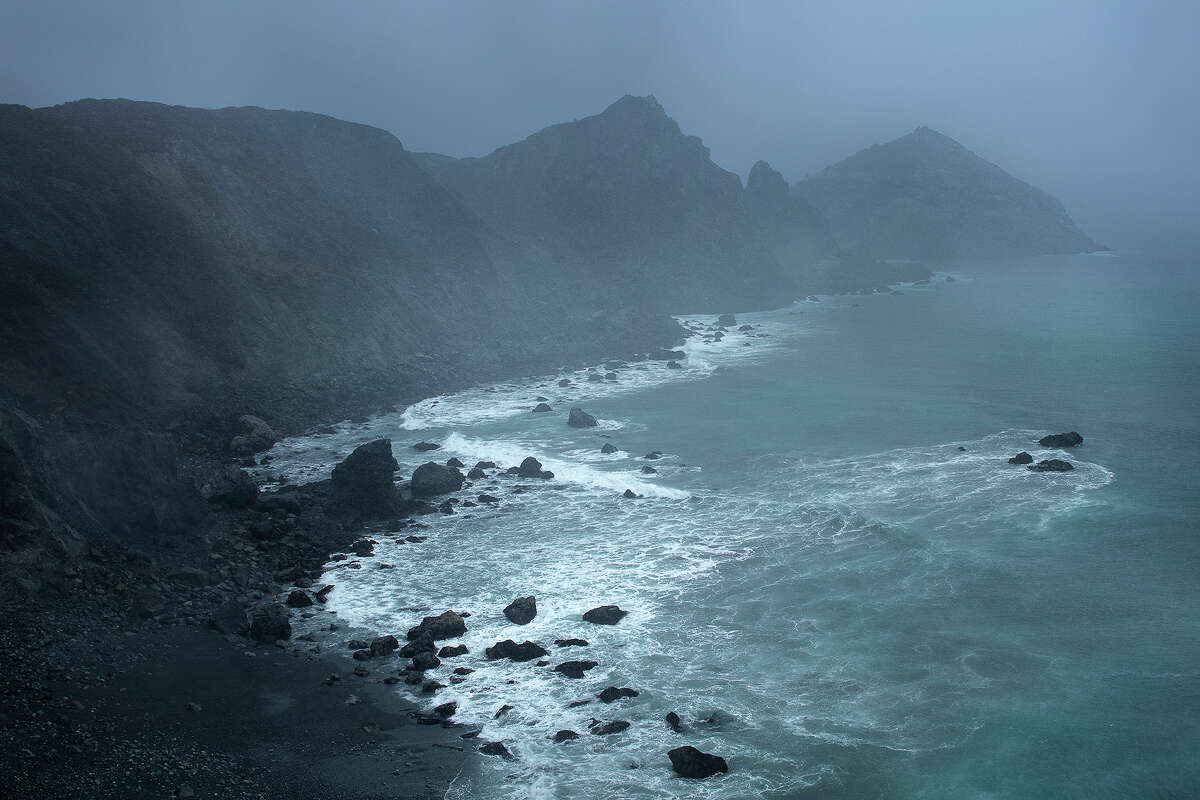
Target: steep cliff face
column 623, row 205
column 161, row 263
column 925, row 196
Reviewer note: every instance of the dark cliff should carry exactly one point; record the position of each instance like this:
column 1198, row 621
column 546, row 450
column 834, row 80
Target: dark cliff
column 925, row 196
column 622, row 204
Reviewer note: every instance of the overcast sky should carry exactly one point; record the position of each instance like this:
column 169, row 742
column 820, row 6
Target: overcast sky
column 1096, row 102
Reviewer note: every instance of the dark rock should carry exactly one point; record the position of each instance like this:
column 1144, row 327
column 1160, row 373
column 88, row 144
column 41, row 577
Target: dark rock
column 565, row 382
column 575, row 669
column 432, row 478
column 229, row 486
column 532, row 468
column 648, row 470
column 446, row 625
column 429, row 687
column 541, row 399
column 542, row 407
column 422, row 644
column 526, row 651
column 610, row 376
column 542, row 663
column 608, row 448
column 522, row 610
column 363, row 548
column 446, row 508
column 579, row 703
column 1071, row 439
column 1052, row 465
column 229, row 617
column 425, row 446
column 454, row 462
column 631, row 495
column 512, row 470
column 495, row 749
column 488, row 498
column 1021, row 458
column 299, row 598
column 323, row 593
column 256, row 435
column 270, row 623
column 500, row 712
column 384, row 646
column 674, row 365
column 357, row 644
column 667, row 355
column 745, row 328
column 578, row 418
column 425, row 660
column 604, row 615
column 689, row 762
column 570, row 643
column 674, row 722
column 612, row 694
column 962, row 449
column 446, row 709
column 565, row 735
column 485, row 465
column 476, row 473
column 450, row 651
column 463, row 670
column 595, row 377
column 361, row 655
column 362, row 482
column 598, row 728
column 653, row 455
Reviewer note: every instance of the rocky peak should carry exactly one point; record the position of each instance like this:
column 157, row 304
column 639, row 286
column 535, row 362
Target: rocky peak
column 766, row 183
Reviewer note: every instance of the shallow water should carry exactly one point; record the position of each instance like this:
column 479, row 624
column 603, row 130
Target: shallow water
column 870, row 610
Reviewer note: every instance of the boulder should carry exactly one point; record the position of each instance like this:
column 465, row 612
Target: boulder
column 674, row 723
column 363, row 548
column 522, row 610
column 363, row 480
column 612, row 694
column 299, row 599
column 525, row 651
column 1021, row 458
column 1071, row 439
column 648, row 470
column 653, row 455
column 422, row 644
column 595, row 377
column 565, row 735
column 476, row 473
column 578, row 418
column 270, row 623
column 532, row 468
column 631, row 495
column 1051, row 465
column 446, row 625
column 485, row 465
column 610, row 376
column 256, row 435
column 496, row 749
column 454, row 462
column 432, row 478
column 542, row 407
column 229, row 486
column 726, row 321
column 452, row 651
column 604, row 615
column 446, row 709
column 384, row 646
column 745, row 328
column 488, row 498
column 689, row 762
column 425, row 660
column 424, row 446
column 575, row 669
column 604, row 729
column 570, row 643
column 229, row 617
column 608, row 448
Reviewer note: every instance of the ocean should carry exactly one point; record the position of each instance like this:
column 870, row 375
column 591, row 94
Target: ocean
column 834, row 576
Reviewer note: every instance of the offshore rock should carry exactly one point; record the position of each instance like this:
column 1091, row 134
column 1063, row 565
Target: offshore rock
column 532, row 468
column 1021, row 458
column 432, row 478
column 1071, row 439
column 363, row 480
column 522, row 610
column 446, row 625
column 608, row 448
column 578, row 418
column 604, row 615
column 525, row 651
column 612, row 694
column 542, row 407
column 575, row 669
column 1052, row 465
column 689, row 762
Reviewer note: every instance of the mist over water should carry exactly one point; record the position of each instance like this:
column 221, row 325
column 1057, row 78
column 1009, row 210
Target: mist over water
column 835, row 577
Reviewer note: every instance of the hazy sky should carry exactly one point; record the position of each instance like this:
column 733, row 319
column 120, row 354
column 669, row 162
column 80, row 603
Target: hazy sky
column 1096, row 102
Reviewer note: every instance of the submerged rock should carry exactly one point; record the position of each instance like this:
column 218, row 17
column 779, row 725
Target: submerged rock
column 578, row 418
column 542, row 407
column 604, row 615
column 525, row 651
column 608, row 448
column 476, row 473
column 612, row 694
column 1021, row 458
column 565, row 735
column 689, row 762
column 454, row 462
column 1071, row 439
column 432, row 478
column 496, row 749
column 1051, row 465
column 522, row 610
column 575, row 669
column 423, row 446
column 631, row 495
column 608, row 728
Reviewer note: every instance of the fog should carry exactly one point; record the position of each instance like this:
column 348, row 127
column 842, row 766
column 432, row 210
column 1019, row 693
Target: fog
column 1095, row 102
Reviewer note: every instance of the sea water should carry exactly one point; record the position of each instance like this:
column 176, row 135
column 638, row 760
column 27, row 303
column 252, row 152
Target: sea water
column 834, row 576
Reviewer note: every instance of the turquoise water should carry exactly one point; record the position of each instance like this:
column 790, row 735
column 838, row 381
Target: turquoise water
column 868, row 610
